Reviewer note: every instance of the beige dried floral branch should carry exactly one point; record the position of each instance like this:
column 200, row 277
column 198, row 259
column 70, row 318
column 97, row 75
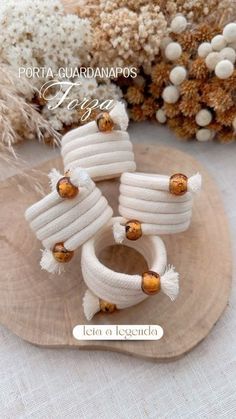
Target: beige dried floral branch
column 19, row 119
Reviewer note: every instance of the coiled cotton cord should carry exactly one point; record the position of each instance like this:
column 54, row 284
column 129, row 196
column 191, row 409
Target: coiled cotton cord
column 121, row 289
column 68, row 221
column 119, row 230
column 118, row 115
column 149, row 194
column 103, row 154
column 155, row 218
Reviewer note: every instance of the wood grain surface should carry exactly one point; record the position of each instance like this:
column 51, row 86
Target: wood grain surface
column 43, row 308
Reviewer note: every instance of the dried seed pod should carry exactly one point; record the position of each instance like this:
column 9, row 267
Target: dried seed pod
column 66, row 189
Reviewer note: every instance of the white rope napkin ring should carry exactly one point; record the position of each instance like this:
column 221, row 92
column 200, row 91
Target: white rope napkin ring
column 108, row 290
column 102, row 147
column 155, row 204
column 67, row 217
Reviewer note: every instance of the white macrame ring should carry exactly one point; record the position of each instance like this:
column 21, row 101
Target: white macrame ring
column 145, row 197
column 103, row 154
column 118, row 288
column 68, row 221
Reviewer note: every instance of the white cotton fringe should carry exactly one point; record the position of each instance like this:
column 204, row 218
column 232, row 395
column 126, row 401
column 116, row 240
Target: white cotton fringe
column 80, row 177
column 54, row 177
column 49, row 263
column 119, row 232
column 119, row 116
column 170, row 283
column 195, row 183
column 91, row 305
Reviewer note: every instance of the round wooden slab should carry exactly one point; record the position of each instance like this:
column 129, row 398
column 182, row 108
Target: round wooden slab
column 44, row 308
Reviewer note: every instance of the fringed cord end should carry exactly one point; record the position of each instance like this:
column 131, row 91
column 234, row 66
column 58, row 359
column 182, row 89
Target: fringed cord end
column 49, row 263
column 91, row 305
column 170, row 283
column 119, row 233
column 119, row 116
column 80, row 177
column 195, row 183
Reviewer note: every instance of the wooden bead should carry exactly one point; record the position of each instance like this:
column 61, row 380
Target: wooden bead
column 61, row 254
column 105, row 122
column 133, row 230
column 66, row 189
column 107, row 307
column 151, row 282
column 178, row 184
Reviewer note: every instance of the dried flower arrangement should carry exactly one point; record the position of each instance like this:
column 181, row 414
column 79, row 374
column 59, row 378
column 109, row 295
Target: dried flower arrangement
column 192, row 85
column 175, row 81
column 39, row 34
column 198, row 11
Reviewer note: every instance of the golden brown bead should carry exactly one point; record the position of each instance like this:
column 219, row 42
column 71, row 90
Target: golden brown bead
column 66, row 189
column 61, row 254
column 105, row 122
column 133, row 230
column 151, row 282
column 107, row 307
column 178, row 184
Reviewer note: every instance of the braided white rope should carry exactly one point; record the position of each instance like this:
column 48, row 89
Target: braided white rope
column 68, row 221
column 145, row 197
column 118, row 288
column 103, row 154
